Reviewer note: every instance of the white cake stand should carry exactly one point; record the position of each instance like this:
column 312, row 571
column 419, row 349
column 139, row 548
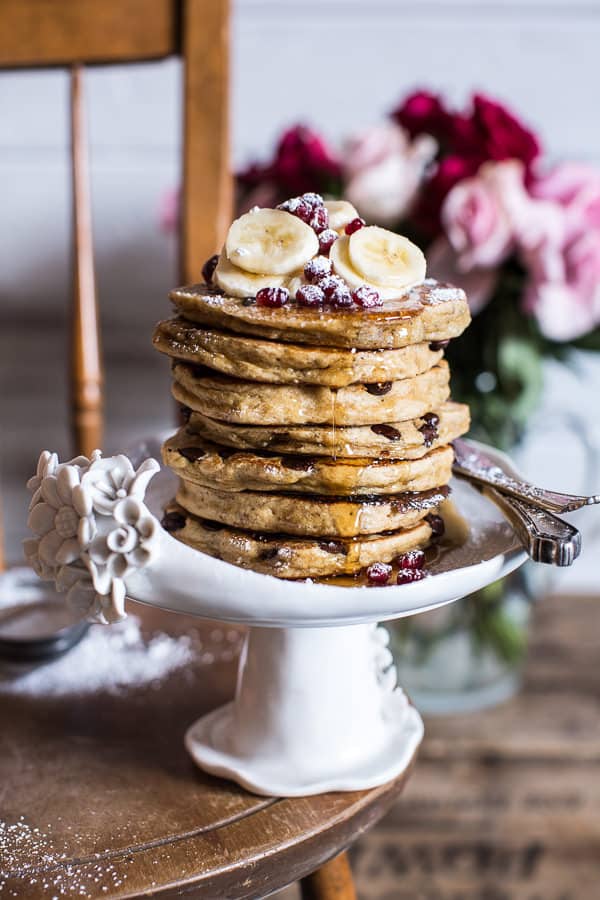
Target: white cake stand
column 317, row 706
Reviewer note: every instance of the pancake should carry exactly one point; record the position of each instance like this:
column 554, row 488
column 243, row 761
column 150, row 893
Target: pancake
column 315, row 515
column 278, row 363
column 431, row 311
column 397, row 440
column 203, row 462
column 251, row 403
column 286, row 556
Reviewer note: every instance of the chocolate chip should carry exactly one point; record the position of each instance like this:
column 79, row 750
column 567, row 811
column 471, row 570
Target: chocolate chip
column 269, row 554
column 429, row 428
column 185, row 412
column 333, row 547
column 379, row 388
column 430, row 435
column 299, row 463
column 437, row 525
column 173, row 521
column 386, row 431
column 192, row 453
column 248, row 301
column 209, row 525
column 438, row 345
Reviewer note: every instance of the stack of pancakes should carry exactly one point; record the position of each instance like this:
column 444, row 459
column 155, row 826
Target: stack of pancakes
column 316, row 441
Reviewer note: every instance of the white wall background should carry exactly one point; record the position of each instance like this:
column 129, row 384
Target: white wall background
column 338, row 64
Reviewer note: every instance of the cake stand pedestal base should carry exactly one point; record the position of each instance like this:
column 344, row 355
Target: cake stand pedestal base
column 316, row 709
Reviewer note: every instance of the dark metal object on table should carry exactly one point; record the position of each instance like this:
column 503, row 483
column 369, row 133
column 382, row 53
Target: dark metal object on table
column 529, row 509
column 35, row 623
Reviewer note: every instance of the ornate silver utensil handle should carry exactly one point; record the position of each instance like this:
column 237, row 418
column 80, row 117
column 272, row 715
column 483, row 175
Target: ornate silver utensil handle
column 475, row 465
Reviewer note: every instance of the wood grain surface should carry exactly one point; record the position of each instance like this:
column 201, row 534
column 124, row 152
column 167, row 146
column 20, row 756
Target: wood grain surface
column 61, row 32
column 505, row 804
column 121, row 810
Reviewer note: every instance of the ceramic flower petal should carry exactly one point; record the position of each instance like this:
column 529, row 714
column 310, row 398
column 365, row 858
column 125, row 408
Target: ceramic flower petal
column 66, row 480
column 127, row 511
column 122, row 540
column 41, row 518
column 142, row 477
column 68, row 552
column 50, row 544
column 50, row 491
column 81, row 500
column 86, row 531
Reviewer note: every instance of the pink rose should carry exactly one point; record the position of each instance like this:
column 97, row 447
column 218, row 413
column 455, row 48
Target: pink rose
column 384, row 171
column 576, row 187
column 476, row 215
column 568, row 307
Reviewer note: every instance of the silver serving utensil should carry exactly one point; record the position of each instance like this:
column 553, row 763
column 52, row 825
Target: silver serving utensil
column 473, row 464
column 546, row 538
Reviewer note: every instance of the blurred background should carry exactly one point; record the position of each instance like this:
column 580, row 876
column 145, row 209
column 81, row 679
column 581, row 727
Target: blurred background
column 506, row 803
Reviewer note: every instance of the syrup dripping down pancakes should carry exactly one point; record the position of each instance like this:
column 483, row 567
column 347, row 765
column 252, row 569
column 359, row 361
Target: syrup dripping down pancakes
column 310, row 373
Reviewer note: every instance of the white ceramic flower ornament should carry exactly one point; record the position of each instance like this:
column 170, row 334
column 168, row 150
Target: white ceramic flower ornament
column 91, row 528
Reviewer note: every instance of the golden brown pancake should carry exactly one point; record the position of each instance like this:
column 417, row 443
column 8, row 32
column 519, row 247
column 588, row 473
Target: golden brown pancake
column 198, row 460
column 282, row 363
column 251, row 403
column 431, row 311
column 392, row 440
column 286, row 556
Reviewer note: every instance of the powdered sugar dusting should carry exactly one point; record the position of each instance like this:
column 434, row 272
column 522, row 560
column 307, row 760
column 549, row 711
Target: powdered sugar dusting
column 33, row 860
column 116, row 658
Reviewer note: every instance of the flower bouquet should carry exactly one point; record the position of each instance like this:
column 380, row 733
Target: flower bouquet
column 522, row 237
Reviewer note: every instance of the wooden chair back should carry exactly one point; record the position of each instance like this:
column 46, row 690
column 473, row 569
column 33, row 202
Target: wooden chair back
column 76, row 33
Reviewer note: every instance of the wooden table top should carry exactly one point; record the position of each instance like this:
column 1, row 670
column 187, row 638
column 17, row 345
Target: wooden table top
column 98, row 797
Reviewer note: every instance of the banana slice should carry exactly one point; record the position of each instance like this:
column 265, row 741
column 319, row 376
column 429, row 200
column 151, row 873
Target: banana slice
column 237, row 283
column 384, row 257
column 344, row 268
column 270, row 241
column 340, row 213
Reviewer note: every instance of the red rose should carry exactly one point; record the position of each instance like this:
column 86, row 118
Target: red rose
column 423, row 112
column 303, row 162
column 492, row 132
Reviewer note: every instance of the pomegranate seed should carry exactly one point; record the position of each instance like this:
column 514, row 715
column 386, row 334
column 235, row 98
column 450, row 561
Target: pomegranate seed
column 342, row 299
column 319, row 220
column 366, row 296
column 327, row 239
column 272, row 297
column 317, row 268
column 297, row 206
column 208, row 269
column 437, row 525
column 330, row 284
column 310, row 295
column 354, row 225
column 414, row 559
column 336, row 292
column 408, row 576
column 378, row 573
column 312, row 199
